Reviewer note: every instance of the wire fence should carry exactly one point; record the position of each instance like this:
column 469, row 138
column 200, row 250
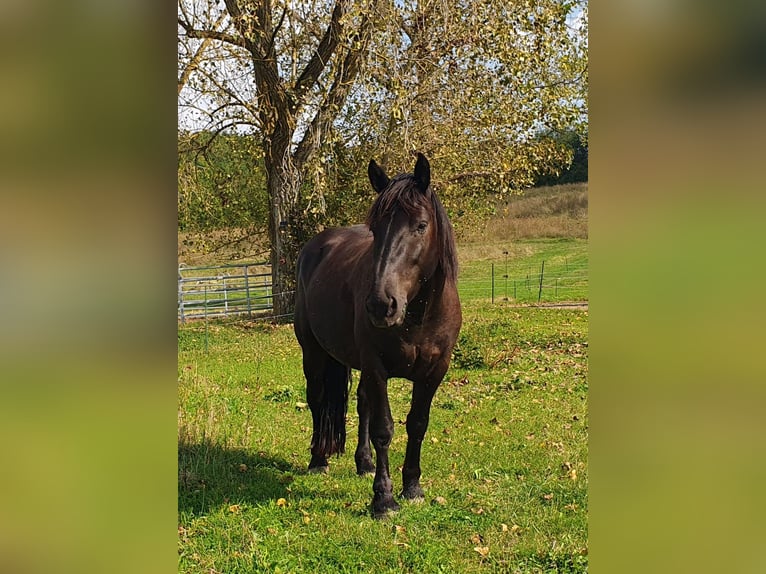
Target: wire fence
column 542, row 282
column 246, row 289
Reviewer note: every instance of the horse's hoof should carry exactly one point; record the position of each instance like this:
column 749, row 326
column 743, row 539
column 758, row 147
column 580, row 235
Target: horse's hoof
column 319, row 470
column 413, row 494
column 365, row 469
column 384, row 509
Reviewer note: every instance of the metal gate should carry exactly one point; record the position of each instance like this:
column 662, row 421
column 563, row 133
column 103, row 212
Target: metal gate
column 219, row 290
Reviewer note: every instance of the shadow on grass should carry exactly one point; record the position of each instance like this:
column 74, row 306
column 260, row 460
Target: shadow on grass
column 210, row 475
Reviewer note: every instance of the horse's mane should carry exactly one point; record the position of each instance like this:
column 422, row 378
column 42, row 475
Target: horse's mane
column 404, row 193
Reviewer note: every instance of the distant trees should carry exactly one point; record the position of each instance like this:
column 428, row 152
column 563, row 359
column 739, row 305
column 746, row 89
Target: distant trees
column 575, row 168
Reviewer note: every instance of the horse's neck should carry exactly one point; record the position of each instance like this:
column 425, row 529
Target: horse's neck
column 428, row 298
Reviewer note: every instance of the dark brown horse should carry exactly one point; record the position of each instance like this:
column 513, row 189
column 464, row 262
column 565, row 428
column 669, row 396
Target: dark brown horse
column 380, row 298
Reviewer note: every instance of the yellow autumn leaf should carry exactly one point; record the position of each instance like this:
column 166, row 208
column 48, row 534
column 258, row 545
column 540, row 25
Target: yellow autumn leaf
column 281, row 502
column 234, row 508
column 483, row 550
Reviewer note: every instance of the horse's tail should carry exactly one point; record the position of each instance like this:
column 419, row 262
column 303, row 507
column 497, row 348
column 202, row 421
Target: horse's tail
column 330, row 422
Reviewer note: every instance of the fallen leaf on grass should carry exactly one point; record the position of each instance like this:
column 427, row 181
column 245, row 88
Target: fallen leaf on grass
column 477, row 539
column 400, row 535
column 234, row 508
column 281, row 502
column 483, row 550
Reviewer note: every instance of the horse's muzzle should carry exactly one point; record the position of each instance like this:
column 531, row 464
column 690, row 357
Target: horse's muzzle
column 384, row 311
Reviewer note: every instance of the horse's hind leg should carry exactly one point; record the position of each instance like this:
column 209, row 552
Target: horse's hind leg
column 327, row 395
column 363, row 455
column 313, row 367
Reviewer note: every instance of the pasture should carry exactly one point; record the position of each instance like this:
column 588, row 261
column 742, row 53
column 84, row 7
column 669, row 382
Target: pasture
column 504, row 460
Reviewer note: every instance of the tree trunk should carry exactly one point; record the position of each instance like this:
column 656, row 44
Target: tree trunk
column 283, row 186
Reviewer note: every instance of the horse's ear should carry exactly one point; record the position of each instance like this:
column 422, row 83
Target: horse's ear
column 422, row 172
column 378, row 177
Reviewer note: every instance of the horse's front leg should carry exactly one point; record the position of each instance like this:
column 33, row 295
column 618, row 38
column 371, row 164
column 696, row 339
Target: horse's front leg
column 417, row 424
column 375, row 388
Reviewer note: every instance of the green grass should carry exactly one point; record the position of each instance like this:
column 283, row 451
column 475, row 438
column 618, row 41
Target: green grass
column 506, row 449
column 565, row 274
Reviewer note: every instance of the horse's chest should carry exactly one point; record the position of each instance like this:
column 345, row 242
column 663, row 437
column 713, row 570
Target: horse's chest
column 409, row 359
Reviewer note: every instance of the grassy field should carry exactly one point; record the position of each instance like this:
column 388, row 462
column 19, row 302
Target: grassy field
column 505, row 458
column 504, row 465
column 562, row 261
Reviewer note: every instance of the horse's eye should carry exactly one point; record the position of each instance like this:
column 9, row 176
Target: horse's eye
column 422, row 227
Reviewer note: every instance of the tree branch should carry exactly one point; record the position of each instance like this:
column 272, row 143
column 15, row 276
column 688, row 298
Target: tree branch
column 196, row 58
column 336, row 97
column 275, row 114
column 212, row 35
column 322, row 54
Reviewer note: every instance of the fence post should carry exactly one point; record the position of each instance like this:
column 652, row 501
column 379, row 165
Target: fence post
column 247, row 294
column 506, row 275
column 181, row 296
column 540, row 291
column 206, row 344
column 493, row 283
column 225, row 296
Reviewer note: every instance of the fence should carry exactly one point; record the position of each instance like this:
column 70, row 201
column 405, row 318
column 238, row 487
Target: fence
column 544, row 281
column 219, row 290
column 245, row 288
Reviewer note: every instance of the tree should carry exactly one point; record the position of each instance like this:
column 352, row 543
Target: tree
column 303, row 59
column 321, row 85
column 472, row 87
column 221, row 184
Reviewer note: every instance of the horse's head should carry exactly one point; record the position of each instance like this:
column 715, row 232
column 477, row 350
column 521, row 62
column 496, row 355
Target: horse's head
column 406, row 245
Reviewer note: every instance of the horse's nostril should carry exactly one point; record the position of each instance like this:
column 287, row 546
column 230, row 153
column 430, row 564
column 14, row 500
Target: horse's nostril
column 392, row 307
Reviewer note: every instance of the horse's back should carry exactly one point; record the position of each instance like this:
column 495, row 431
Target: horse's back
column 337, row 247
column 329, row 270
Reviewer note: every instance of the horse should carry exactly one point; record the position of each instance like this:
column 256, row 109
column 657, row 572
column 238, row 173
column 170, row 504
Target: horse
column 380, row 298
